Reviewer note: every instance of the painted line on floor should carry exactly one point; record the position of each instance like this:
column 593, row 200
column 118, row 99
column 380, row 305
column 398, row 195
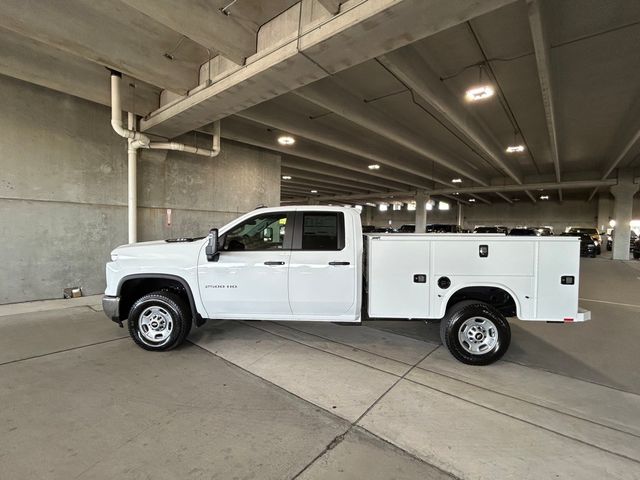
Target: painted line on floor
column 610, row 303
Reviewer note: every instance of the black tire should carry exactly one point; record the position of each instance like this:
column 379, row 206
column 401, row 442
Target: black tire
column 171, row 308
column 636, row 254
column 593, row 255
column 499, row 335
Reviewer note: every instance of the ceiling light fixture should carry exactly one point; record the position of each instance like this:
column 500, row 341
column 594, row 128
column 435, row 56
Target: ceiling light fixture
column 544, row 197
column 286, row 140
column 374, row 167
column 286, row 177
column 456, row 180
column 480, row 92
column 515, row 148
column 472, row 200
column 443, row 206
column 314, row 191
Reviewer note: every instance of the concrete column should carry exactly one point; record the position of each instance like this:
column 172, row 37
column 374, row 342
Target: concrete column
column 604, row 211
column 623, row 193
column 460, row 215
column 368, row 215
column 421, row 211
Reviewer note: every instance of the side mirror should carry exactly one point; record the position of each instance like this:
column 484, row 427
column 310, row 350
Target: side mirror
column 212, row 245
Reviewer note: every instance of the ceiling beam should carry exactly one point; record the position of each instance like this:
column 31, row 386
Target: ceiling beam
column 234, row 130
column 310, row 176
column 328, row 94
column 542, row 53
column 361, row 32
column 482, row 199
column 38, row 63
column 504, row 197
column 331, row 186
column 205, row 24
column 276, row 116
column 111, row 34
column 618, row 159
column 531, row 197
column 243, row 131
column 312, row 166
column 332, row 6
column 408, row 67
column 578, row 184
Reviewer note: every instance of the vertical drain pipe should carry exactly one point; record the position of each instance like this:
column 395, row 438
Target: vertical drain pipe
column 136, row 140
column 132, row 182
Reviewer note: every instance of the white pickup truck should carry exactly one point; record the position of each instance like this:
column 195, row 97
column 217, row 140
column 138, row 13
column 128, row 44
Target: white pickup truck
column 312, row 263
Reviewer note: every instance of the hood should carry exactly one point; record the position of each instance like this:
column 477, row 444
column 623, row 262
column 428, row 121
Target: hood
column 157, row 248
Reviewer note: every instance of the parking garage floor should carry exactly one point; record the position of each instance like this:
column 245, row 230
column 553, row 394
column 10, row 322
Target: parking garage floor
column 321, row 401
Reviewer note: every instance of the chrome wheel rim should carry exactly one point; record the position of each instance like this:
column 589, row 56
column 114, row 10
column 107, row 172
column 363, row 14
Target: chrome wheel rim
column 155, row 325
column 478, row 335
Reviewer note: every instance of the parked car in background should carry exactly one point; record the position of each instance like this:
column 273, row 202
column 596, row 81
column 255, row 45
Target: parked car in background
column 523, row 232
column 636, row 247
column 442, row 228
column 591, row 231
column 544, row 231
column 407, row 228
column 632, row 240
column 368, row 228
column 587, row 243
column 491, row 229
column 383, row 230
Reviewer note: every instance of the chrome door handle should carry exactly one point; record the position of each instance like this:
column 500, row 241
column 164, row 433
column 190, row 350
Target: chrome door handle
column 274, row 263
column 339, row 263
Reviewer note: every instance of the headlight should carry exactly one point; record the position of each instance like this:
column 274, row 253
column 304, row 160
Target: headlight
column 114, row 256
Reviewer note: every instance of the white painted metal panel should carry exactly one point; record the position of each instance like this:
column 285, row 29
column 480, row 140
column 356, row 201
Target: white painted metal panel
column 393, row 293
column 460, row 256
column 554, row 300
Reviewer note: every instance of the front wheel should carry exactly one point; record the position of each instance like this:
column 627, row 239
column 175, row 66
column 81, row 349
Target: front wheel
column 159, row 321
column 475, row 333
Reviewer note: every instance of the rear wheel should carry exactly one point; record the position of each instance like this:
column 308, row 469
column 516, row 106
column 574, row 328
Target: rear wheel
column 475, row 333
column 159, row 321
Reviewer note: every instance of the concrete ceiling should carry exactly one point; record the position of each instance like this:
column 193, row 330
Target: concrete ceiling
column 359, row 84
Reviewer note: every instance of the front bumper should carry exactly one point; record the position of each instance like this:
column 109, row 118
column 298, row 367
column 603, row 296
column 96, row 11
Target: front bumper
column 111, row 307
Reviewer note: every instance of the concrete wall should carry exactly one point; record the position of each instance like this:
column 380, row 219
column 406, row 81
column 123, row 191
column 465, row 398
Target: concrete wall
column 557, row 215
column 63, row 191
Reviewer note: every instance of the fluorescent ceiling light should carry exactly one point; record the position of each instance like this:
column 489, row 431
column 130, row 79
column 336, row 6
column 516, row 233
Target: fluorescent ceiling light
column 286, row 140
column 472, row 200
column 383, row 207
column 456, row 180
column 515, row 148
column 612, row 223
column 397, row 206
column 374, row 167
column 314, row 191
column 456, row 193
column 544, row 197
column 286, row 177
column 479, row 93
column 411, row 206
column 429, row 205
column 443, row 206
column 369, row 204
